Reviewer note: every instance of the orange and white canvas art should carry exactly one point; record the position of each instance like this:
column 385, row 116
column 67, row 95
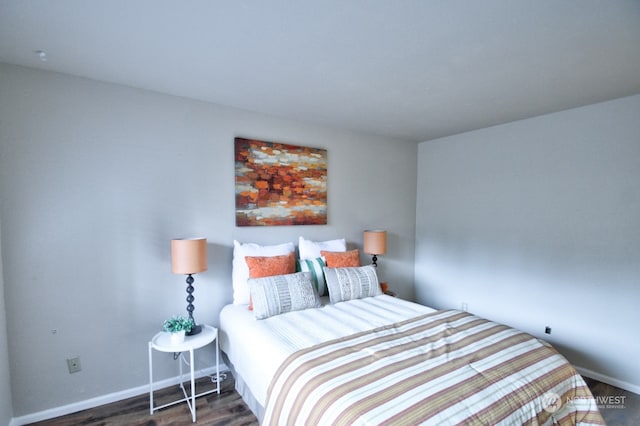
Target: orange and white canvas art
column 280, row 184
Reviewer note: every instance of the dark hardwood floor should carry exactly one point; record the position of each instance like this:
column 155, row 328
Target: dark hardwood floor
column 229, row 409
column 226, row 409
column 618, row 407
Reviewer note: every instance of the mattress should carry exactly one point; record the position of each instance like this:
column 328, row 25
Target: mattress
column 256, row 348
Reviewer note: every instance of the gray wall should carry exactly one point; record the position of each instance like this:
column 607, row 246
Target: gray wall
column 537, row 223
column 95, row 179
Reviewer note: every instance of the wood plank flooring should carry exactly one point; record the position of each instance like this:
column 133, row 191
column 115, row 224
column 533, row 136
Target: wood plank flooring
column 609, row 398
column 228, row 409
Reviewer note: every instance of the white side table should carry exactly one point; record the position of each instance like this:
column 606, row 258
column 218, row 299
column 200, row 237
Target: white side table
column 161, row 342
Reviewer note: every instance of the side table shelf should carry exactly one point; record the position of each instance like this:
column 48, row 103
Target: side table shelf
column 161, row 342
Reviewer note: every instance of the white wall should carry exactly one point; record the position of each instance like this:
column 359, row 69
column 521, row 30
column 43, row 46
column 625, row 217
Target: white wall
column 537, row 223
column 6, row 408
column 95, row 179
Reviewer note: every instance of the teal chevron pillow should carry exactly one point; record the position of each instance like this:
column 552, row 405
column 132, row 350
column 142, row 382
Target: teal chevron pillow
column 316, row 267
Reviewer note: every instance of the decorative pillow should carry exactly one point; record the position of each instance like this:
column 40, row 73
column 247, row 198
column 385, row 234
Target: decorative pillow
column 352, row 283
column 240, row 273
column 267, row 266
column 346, row 259
column 315, row 267
column 311, row 249
column 282, row 293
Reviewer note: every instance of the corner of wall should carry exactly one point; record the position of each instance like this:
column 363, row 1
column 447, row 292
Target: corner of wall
column 6, row 406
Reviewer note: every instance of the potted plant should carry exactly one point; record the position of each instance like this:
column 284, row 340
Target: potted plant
column 178, row 325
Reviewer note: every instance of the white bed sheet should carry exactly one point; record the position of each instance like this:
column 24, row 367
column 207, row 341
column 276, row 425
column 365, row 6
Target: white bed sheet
column 256, row 348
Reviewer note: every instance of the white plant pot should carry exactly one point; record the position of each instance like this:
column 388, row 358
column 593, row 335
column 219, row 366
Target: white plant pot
column 177, row 338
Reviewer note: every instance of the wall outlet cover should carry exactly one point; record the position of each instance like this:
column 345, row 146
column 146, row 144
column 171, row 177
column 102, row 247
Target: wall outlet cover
column 74, row 365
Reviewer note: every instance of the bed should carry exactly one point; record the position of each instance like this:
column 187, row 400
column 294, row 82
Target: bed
column 378, row 359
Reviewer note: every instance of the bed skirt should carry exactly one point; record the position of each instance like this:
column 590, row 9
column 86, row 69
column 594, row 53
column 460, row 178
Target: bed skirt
column 244, row 391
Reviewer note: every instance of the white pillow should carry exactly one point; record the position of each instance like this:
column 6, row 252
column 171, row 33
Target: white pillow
column 278, row 294
column 352, row 283
column 311, row 249
column 240, row 273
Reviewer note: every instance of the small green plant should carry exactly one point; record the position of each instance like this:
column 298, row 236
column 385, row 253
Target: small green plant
column 178, row 323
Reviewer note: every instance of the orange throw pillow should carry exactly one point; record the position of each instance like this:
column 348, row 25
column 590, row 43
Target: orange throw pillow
column 267, row 266
column 342, row 259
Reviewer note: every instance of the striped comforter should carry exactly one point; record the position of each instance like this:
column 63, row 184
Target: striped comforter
column 446, row 367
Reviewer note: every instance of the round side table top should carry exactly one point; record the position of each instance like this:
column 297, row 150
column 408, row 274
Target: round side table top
column 162, row 340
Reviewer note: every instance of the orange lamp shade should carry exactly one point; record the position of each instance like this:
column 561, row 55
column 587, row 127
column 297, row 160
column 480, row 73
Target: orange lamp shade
column 188, row 255
column 375, row 242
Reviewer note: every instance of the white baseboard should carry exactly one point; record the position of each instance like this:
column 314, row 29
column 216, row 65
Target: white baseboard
column 106, row 399
column 609, row 380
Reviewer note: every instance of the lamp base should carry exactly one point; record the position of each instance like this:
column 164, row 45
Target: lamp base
column 195, row 330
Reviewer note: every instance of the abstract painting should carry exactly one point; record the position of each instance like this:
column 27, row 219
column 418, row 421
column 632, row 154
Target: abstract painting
column 280, row 184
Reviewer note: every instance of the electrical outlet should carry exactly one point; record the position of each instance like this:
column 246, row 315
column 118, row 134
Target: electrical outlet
column 547, row 330
column 74, row 365
column 464, row 306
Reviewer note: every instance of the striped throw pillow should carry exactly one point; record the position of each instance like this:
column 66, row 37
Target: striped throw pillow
column 316, row 267
column 352, row 283
column 278, row 294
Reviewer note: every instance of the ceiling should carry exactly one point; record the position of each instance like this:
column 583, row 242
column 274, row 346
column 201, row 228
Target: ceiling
column 409, row 69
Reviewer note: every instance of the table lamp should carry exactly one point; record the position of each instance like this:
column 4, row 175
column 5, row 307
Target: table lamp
column 188, row 257
column 375, row 243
